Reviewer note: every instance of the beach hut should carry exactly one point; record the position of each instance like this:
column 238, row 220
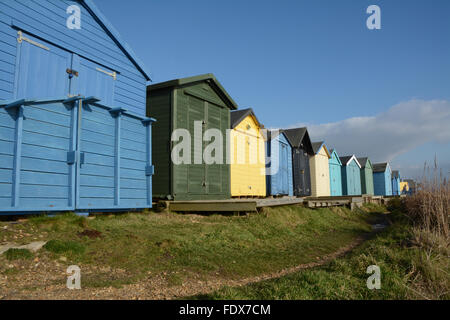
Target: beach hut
column 320, row 170
column 366, row 176
column 247, row 150
column 411, row 186
column 186, row 110
column 351, row 176
column 279, row 174
column 396, row 190
column 404, row 187
column 335, row 174
column 73, row 130
column 301, row 151
column 382, row 179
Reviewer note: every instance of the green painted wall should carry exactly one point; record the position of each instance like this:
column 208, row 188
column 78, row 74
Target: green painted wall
column 175, row 108
column 367, row 179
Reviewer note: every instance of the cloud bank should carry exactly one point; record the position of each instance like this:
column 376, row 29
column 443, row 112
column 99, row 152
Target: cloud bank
column 387, row 135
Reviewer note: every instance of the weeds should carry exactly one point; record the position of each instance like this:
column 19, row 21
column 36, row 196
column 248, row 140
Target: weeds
column 18, row 254
column 58, row 246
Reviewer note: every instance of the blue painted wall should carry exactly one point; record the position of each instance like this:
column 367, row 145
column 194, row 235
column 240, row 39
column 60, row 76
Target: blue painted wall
column 280, row 183
column 58, row 154
column 382, row 182
column 396, row 186
column 46, row 20
column 335, row 175
column 51, row 162
column 351, row 179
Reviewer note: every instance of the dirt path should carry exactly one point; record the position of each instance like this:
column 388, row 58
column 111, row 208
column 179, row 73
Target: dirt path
column 47, row 281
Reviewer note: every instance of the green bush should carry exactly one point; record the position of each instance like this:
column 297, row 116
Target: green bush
column 18, row 254
column 59, row 246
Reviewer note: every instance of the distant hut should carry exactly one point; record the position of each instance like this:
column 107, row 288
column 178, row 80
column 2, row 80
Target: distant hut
column 366, row 176
column 396, row 183
column 404, row 187
column 279, row 179
column 351, row 176
column 320, row 170
column 248, row 167
column 382, row 179
column 335, row 174
column 301, row 150
column 411, row 186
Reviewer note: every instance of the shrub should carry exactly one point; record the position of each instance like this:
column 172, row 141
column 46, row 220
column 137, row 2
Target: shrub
column 18, row 254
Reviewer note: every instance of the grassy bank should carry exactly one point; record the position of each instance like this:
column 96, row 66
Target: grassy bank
column 414, row 264
column 124, row 249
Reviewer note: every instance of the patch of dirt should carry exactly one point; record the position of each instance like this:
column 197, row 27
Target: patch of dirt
column 92, row 234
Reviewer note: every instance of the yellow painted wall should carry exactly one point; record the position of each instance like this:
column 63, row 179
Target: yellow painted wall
column 404, row 186
column 247, row 155
column 320, row 174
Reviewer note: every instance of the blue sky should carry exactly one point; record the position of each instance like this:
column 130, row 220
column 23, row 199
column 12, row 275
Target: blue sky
column 310, row 62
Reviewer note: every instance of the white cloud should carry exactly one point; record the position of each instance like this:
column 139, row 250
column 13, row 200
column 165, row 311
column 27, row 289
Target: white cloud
column 387, row 135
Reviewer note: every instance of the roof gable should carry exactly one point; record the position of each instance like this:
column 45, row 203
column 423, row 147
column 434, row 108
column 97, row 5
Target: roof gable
column 346, row 160
column 396, row 174
column 298, row 137
column 380, row 167
column 365, row 162
column 317, row 146
column 334, row 155
column 208, row 78
column 114, row 34
column 238, row 116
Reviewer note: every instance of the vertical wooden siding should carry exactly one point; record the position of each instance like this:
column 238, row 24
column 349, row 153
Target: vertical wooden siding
column 248, row 161
column 47, row 19
column 276, row 183
column 320, row 174
column 335, row 175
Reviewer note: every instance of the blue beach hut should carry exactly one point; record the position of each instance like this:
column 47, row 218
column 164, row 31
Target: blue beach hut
column 279, row 180
column 396, row 191
column 351, row 176
column 335, row 174
column 73, row 130
column 382, row 179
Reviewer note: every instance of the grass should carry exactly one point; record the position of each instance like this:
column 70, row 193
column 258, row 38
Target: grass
column 187, row 247
column 409, row 270
column 18, row 254
column 58, row 246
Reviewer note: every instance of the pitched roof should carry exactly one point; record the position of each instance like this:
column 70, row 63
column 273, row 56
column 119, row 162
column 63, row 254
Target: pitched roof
column 363, row 161
column 379, row 167
column 96, row 13
column 337, row 156
column 316, row 146
column 396, row 174
column 238, row 116
column 272, row 134
column 208, row 77
column 345, row 160
column 299, row 136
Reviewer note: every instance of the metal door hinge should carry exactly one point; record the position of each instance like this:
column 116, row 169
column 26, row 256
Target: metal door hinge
column 21, row 38
column 111, row 74
column 72, row 72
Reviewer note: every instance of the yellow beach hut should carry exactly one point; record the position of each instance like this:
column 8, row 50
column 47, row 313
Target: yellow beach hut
column 320, row 170
column 247, row 155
